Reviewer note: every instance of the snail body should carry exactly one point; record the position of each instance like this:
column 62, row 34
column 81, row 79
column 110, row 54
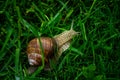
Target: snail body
column 51, row 47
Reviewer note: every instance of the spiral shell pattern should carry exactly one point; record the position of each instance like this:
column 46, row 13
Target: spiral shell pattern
column 34, row 50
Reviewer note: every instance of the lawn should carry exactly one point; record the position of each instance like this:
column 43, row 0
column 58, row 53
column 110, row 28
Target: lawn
column 94, row 54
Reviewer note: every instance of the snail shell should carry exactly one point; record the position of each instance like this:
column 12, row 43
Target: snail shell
column 52, row 47
column 34, row 51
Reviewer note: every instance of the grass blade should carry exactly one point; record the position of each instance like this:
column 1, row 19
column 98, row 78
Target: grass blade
column 17, row 54
column 2, row 54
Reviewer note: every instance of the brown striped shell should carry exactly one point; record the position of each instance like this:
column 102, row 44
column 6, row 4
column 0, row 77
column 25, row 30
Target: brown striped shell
column 34, row 51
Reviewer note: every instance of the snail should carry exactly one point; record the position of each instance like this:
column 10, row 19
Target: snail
column 51, row 47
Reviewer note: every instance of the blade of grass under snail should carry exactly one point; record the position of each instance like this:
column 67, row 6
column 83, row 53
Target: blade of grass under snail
column 42, row 66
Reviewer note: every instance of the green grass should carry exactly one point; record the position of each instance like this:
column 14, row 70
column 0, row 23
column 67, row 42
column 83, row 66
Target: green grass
column 93, row 55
